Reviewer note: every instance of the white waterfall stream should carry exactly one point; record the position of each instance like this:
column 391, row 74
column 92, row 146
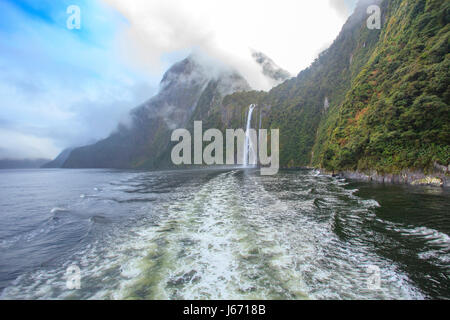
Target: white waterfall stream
column 248, row 145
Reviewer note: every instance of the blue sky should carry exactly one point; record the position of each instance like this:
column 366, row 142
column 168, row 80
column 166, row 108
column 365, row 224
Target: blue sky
column 61, row 88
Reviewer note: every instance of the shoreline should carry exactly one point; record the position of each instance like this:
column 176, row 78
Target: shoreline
column 438, row 178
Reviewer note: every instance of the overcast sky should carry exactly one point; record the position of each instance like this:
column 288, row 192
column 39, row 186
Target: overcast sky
column 61, row 88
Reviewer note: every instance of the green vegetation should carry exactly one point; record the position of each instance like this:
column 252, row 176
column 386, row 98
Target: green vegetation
column 396, row 115
column 387, row 90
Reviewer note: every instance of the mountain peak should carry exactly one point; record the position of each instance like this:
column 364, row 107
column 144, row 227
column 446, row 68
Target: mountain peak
column 269, row 67
column 197, row 70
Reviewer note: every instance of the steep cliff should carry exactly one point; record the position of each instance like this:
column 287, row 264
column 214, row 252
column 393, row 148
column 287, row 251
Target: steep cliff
column 376, row 100
column 187, row 88
column 396, row 114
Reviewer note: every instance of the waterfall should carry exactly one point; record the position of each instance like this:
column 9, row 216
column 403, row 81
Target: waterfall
column 248, row 143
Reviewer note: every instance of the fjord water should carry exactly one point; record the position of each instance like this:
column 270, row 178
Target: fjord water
column 219, row 234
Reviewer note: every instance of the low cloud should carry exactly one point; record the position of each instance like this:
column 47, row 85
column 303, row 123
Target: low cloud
column 341, row 6
column 288, row 31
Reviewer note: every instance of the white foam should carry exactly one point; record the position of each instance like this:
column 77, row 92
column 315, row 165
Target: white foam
column 57, row 209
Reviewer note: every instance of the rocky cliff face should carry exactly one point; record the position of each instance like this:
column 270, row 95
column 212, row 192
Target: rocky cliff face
column 188, row 88
column 395, row 116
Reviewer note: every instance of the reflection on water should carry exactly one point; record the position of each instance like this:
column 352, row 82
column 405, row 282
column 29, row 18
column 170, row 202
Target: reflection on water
column 219, row 234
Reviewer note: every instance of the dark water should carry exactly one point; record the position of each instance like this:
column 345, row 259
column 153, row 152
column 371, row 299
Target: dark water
column 224, row 234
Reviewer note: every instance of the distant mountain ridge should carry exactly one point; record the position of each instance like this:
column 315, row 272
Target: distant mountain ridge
column 22, row 163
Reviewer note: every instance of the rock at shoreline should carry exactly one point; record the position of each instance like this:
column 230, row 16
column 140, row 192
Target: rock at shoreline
column 428, row 181
column 438, row 179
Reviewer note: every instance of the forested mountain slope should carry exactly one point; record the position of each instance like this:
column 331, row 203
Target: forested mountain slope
column 375, row 100
column 396, row 114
